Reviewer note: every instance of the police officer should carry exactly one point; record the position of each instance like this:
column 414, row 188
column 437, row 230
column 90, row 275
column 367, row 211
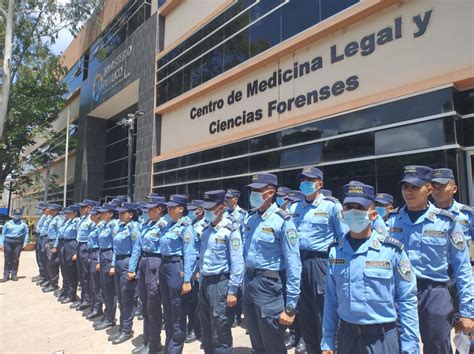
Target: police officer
column 282, row 198
column 42, row 207
column 176, row 271
column 93, row 247
column 82, row 255
column 105, row 242
column 433, row 239
column 273, row 268
column 384, row 205
column 52, row 259
column 14, row 238
column 144, row 265
column 57, row 250
column 318, row 221
column 221, row 264
column 123, row 242
column 193, row 330
column 234, row 212
column 369, row 277
column 67, row 246
column 43, row 239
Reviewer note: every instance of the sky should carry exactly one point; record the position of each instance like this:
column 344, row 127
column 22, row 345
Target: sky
column 64, row 39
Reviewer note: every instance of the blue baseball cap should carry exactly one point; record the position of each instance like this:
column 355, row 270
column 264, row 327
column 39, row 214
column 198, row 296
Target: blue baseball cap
column 128, row 207
column 54, row 206
column 96, row 210
column 177, row 199
column 261, row 180
column 72, row 209
column 110, row 207
column 359, row 193
column 42, row 206
column 384, row 198
column 417, row 175
column 232, row 193
column 153, row 195
column 155, row 201
column 17, row 212
column 326, row 192
column 282, row 191
column 87, row 202
column 212, row 198
column 295, row 195
column 442, row 175
column 311, row 172
column 196, row 203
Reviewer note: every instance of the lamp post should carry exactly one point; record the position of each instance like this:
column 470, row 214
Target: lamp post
column 129, row 122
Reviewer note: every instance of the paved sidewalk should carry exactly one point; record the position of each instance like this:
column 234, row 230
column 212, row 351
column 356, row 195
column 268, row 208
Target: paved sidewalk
column 31, row 321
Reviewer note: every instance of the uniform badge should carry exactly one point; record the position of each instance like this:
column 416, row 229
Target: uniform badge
column 404, row 268
column 458, row 241
column 379, row 230
column 396, row 229
column 292, row 236
column 236, row 244
column 376, row 243
column 432, row 216
column 133, row 235
column 337, row 261
column 378, row 264
column 321, row 213
column 187, row 237
column 267, row 229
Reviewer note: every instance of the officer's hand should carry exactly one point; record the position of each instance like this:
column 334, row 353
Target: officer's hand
column 54, row 250
column 74, row 258
column 286, row 319
column 186, row 288
column 196, row 276
column 328, row 352
column 97, row 267
column 112, row 271
column 466, row 324
column 231, row 300
column 131, row 275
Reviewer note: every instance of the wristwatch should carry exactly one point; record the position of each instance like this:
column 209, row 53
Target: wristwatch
column 289, row 310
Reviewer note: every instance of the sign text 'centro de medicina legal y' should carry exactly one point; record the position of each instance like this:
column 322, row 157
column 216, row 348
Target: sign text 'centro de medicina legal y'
column 401, row 45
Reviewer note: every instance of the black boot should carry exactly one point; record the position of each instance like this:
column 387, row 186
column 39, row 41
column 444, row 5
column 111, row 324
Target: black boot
column 50, row 288
column 104, row 324
column 301, row 347
column 14, row 276
column 191, row 337
column 155, row 349
column 290, row 342
column 94, row 314
column 37, row 278
column 122, row 337
column 83, row 305
column 68, row 300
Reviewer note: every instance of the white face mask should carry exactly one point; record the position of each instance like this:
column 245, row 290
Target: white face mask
column 357, row 220
column 256, row 199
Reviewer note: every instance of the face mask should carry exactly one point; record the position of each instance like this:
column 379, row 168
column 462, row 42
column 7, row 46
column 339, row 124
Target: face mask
column 256, row 199
column 381, row 211
column 167, row 218
column 192, row 215
column 210, row 216
column 307, row 187
column 280, row 201
column 16, row 217
column 144, row 217
column 357, row 220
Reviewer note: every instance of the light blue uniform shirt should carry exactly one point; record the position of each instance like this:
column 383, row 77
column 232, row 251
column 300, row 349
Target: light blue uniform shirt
column 378, row 224
column 271, row 243
column 40, row 223
column 237, row 216
column 53, row 227
column 465, row 216
column 93, row 239
column 178, row 240
column 44, row 226
column 106, row 234
column 222, row 252
column 432, row 242
column 84, row 228
column 318, row 223
column 199, row 227
column 364, row 287
column 68, row 230
column 124, row 239
column 148, row 241
column 15, row 229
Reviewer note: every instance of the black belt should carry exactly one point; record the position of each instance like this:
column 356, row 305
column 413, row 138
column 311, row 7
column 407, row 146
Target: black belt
column 81, row 242
column 14, row 238
column 263, row 273
column 94, row 249
column 122, row 256
column 215, row 278
column 171, row 259
column 422, row 284
column 68, row 239
column 105, row 249
column 150, row 254
column 361, row 330
column 313, row 254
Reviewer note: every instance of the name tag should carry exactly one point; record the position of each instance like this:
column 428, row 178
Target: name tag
column 337, row 261
column 221, row 240
column 323, row 214
column 378, row 264
column 396, row 229
column 434, row 233
column 267, row 229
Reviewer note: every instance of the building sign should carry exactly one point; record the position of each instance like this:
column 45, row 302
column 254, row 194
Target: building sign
column 111, row 74
column 402, row 45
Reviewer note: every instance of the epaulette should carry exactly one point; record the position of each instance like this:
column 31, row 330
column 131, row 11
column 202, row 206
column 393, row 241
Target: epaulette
column 393, row 212
column 283, row 214
column 445, row 213
column 394, row 242
column 332, row 199
column 468, row 209
column 242, row 211
column 231, row 218
column 185, row 223
column 230, row 227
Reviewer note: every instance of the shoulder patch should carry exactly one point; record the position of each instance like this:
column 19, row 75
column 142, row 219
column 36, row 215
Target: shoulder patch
column 332, row 199
column 292, row 236
column 133, row 235
column 458, row 240
column 235, row 242
column 283, row 214
column 404, row 269
column 468, row 209
column 187, row 237
column 445, row 213
column 394, row 242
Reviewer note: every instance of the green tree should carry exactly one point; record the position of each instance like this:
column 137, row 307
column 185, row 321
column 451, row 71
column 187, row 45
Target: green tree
column 32, row 92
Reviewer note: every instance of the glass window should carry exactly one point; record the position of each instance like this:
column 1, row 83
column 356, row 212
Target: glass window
column 171, row 177
column 468, row 130
column 331, row 7
column 464, row 102
column 299, row 15
column 300, row 156
column 115, row 169
column 410, row 137
column 264, row 162
column 236, row 149
column 265, row 142
column 266, row 32
column 210, row 171
column 211, row 154
column 116, row 151
column 349, row 147
column 235, row 167
column 158, row 180
column 300, row 134
column 289, row 178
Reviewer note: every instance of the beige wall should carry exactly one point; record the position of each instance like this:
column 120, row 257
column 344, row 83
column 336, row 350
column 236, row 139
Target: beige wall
column 186, row 15
column 446, row 50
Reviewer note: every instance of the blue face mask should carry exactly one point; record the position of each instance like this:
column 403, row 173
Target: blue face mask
column 256, row 199
column 357, row 220
column 192, row 215
column 16, row 217
column 280, row 201
column 210, row 216
column 144, row 217
column 381, row 211
column 307, row 187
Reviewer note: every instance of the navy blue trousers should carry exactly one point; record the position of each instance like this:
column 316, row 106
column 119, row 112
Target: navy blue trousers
column 83, row 271
column 436, row 316
column 52, row 261
column 215, row 317
column 66, row 251
column 150, row 297
column 263, row 302
column 38, row 256
column 174, row 313
column 379, row 342
column 125, row 290
column 108, row 285
column 44, row 260
column 12, row 250
column 96, row 289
